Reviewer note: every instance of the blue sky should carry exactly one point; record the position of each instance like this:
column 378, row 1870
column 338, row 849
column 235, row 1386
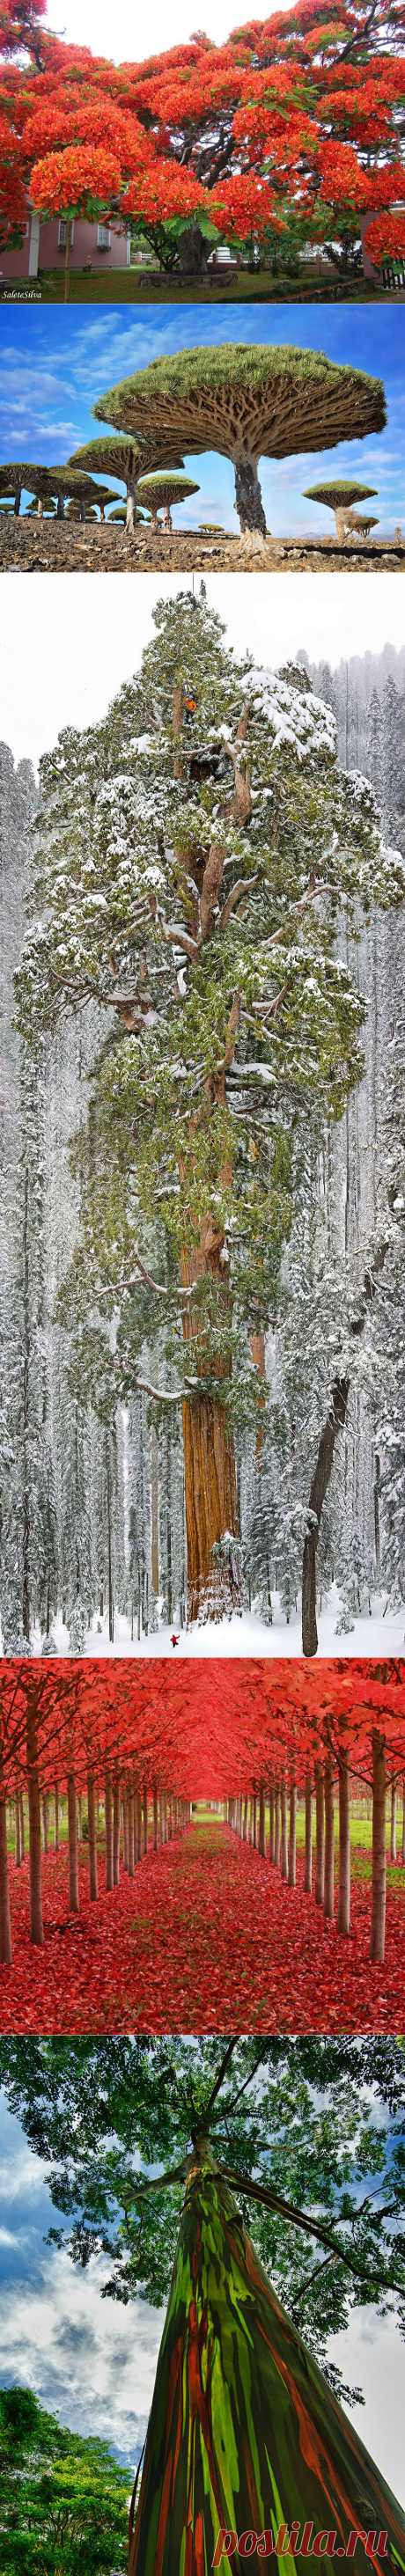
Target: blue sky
column 93, row 2362
column 54, row 365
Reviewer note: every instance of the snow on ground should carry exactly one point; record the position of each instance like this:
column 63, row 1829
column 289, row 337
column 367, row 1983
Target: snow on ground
column 381, row 1634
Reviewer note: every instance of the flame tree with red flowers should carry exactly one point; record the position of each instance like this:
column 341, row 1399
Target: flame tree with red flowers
column 289, row 134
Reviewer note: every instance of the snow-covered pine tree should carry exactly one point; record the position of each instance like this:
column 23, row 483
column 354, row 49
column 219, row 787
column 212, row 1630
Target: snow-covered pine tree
column 193, row 875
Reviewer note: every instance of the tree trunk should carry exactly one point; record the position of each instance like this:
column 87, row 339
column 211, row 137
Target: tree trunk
column 403, row 1820
column 73, row 1845
column 284, row 1830
column 320, row 1834
column 329, row 1881
column 193, row 251
column 155, row 1820
column 248, row 497
column 277, row 1825
column 145, row 1822
column 308, row 1834
column 18, row 1851
column 344, row 1847
column 56, row 1815
column 244, row 2434
column 91, row 1815
column 292, row 1837
column 262, row 1822
column 68, row 246
column 109, row 1855
column 321, row 1478
column 116, row 1832
column 6, row 1946
column 154, row 1512
column 393, row 1829
column 379, row 1875
column 34, row 1812
column 272, row 1822
column 213, row 1583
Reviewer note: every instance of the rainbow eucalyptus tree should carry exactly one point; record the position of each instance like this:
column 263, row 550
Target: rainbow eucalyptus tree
column 245, row 2432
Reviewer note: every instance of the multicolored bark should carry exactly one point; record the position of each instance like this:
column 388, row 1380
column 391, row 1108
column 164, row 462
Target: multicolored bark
column 243, row 2432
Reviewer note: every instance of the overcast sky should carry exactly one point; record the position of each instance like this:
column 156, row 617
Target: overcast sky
column 93, row 2362
column 127, row 34
column 54, row 366
column 68, row 640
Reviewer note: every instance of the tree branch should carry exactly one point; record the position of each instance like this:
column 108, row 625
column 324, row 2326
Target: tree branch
column 310, row 2226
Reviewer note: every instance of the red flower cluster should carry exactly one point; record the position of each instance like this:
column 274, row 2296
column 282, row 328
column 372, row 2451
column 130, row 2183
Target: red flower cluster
column 67, row 180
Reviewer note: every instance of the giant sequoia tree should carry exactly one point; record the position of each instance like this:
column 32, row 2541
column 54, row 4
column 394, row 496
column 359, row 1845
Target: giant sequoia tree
column 196, row 853
column 245, row 2433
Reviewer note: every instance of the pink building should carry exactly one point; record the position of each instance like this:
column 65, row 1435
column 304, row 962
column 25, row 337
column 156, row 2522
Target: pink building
column 93, row 245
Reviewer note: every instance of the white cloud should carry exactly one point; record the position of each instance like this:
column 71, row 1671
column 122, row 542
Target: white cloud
column 89, row 2360
column 91, row 22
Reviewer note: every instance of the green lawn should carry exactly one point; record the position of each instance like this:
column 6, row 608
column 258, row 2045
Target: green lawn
column 148, row 286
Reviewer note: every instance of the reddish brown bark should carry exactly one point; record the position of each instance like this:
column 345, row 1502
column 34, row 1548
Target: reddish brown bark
column 73, row 1845
column 320, row 1834
column 308, row 1834
column 34, row 1812
column 344, row 1847
column 91, row 1813
column 379, row 1871
column 6, row 1946
column 292, row 1837
column 329, row 1879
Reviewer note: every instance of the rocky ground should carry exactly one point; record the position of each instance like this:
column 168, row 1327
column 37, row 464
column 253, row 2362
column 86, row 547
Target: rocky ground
column 27, row 545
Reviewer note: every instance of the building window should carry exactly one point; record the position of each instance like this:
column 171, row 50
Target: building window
column 62, row 234
column 103, row 237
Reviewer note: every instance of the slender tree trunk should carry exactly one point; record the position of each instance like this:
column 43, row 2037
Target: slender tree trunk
column 6, row 1946
column 403, row 1821
column 329, row 1881
column 131, row 1833
column 18, row 1851
column 109, row 1849
column 116, row 1832
column 308, row 1834
column 231, row 2357
column 272, row 1821
column 154, row 1513
column 335, row 1422
column 91, row 1817
column 68, row 246
column 379, row 1873
column 145, row 1820
column 34, row 1812
column 344, row 1847
column 73, row 1845
column 248, row 497
column 393, row 1828
column 284, row 1830
column 277, row 1824
column 45, row 1822
column 292, row 1837
column 262, row 1822
column 320, row 1834
column 56, row 1815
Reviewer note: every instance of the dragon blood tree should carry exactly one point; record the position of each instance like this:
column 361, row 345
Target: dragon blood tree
column 126, row 459
column 163, row 492
column 340, row 497
column 246, row 403
column 197, row 851
column 246, row 2434
column 48, row 483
